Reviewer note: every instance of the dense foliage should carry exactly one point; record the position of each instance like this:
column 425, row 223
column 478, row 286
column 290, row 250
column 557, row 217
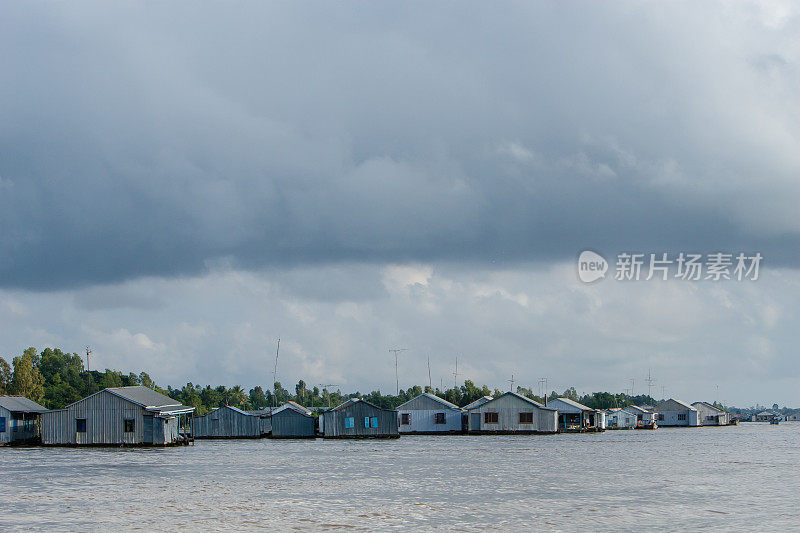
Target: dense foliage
column 55, row 379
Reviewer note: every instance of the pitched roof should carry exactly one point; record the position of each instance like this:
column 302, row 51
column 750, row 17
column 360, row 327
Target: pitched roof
column 519, row 397
column 575, row 404
column 21, row 404
column 434, row 398
column 480, row 401
column 706, row 404
column 637, row 408
column 143, row 396
column 351, row 401
column 679, row 402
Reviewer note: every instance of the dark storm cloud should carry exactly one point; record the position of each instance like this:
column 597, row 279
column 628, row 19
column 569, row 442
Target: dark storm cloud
column 156, row 139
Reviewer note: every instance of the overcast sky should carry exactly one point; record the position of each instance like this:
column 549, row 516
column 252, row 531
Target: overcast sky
column 182, row 184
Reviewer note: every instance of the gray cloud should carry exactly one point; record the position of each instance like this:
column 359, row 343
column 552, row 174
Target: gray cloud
column 140, row 140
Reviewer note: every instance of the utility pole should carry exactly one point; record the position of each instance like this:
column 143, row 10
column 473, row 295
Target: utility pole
column 650, row 382
column 632, row 383
column 543, row 388
column 512, row 383
column 396, row 351
column 455, row 375
column 88, row 375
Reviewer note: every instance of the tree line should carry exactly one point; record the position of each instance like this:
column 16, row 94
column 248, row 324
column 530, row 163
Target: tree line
column 56, row 379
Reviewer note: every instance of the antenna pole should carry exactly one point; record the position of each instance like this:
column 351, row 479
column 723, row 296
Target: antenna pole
column 512, row 382
column 396, row 351
column 430, row 381
column 275, row 376
column 650, row 382
column 455, row 375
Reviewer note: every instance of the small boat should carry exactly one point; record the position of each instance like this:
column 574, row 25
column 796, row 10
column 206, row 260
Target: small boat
column 775, row 421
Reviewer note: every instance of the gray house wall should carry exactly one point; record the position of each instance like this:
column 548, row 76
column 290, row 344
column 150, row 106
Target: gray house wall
column 334, row 422
column 105, row 415
column 422, row 411
column 668, row 413
column 508, row 407
column 227, row 423
column 289, row 423
column 708, row 415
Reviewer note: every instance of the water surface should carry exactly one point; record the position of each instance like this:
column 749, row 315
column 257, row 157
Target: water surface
column 717, row 478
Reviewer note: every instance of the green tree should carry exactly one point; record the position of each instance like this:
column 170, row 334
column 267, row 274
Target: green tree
column 27, row 380
column 5, row 376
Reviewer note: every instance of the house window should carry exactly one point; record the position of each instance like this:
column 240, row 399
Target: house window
column 2, row 424
column 439, row 418
column 130, row 425
column 660, row 416
column 490, row 418
column 349, row 422
column 373, row 422
column 366, row 421
column 80, row 425
column 681, row 416
column 405, row 419
column 526, row 418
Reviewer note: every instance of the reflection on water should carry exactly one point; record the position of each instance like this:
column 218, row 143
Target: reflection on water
column 730, row 478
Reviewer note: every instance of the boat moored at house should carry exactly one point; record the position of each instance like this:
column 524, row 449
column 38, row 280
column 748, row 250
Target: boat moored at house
column 574, row 416
column 119, row 416
column 429, row 414
column 359, row 419
column 676, row 413
column 511, row 413
column 19, row 420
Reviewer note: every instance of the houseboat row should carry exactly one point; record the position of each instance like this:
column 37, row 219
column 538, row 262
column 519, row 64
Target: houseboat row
column 139, row 416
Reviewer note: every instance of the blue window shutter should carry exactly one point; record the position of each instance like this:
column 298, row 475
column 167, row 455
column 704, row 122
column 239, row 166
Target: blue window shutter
column 374, row 421
column 366, row 421
column 2, row 424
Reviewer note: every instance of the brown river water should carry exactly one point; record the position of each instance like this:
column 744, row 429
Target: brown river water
column 744, row 478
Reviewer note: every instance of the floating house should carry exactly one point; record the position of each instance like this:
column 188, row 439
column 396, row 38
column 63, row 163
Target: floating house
column 767, row 416
column 118, row 416
column 674, row 412
column 230, row 423
column 708, row 415
column 574, row 416
column 621, row 418
column 511, row 413
column 19, row 420
column 644, row 417
column 429, row 414
column 359, row 419
column 292, row 421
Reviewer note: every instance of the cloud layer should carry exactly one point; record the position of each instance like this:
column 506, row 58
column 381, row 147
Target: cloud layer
column 155, row 139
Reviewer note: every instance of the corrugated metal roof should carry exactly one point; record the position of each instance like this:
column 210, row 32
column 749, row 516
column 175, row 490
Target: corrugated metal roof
column 21, row 404
column 709, row 406
column 637, row 408
column 434, row 398
column 143, row 396
column 516, row 395
column 355, row 400
column 573, row 403
column 683, row 404
column 292, row 406
column 480, row 401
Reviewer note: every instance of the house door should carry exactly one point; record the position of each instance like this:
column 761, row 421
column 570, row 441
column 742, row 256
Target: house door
column 474, row 421
column 147, row 429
